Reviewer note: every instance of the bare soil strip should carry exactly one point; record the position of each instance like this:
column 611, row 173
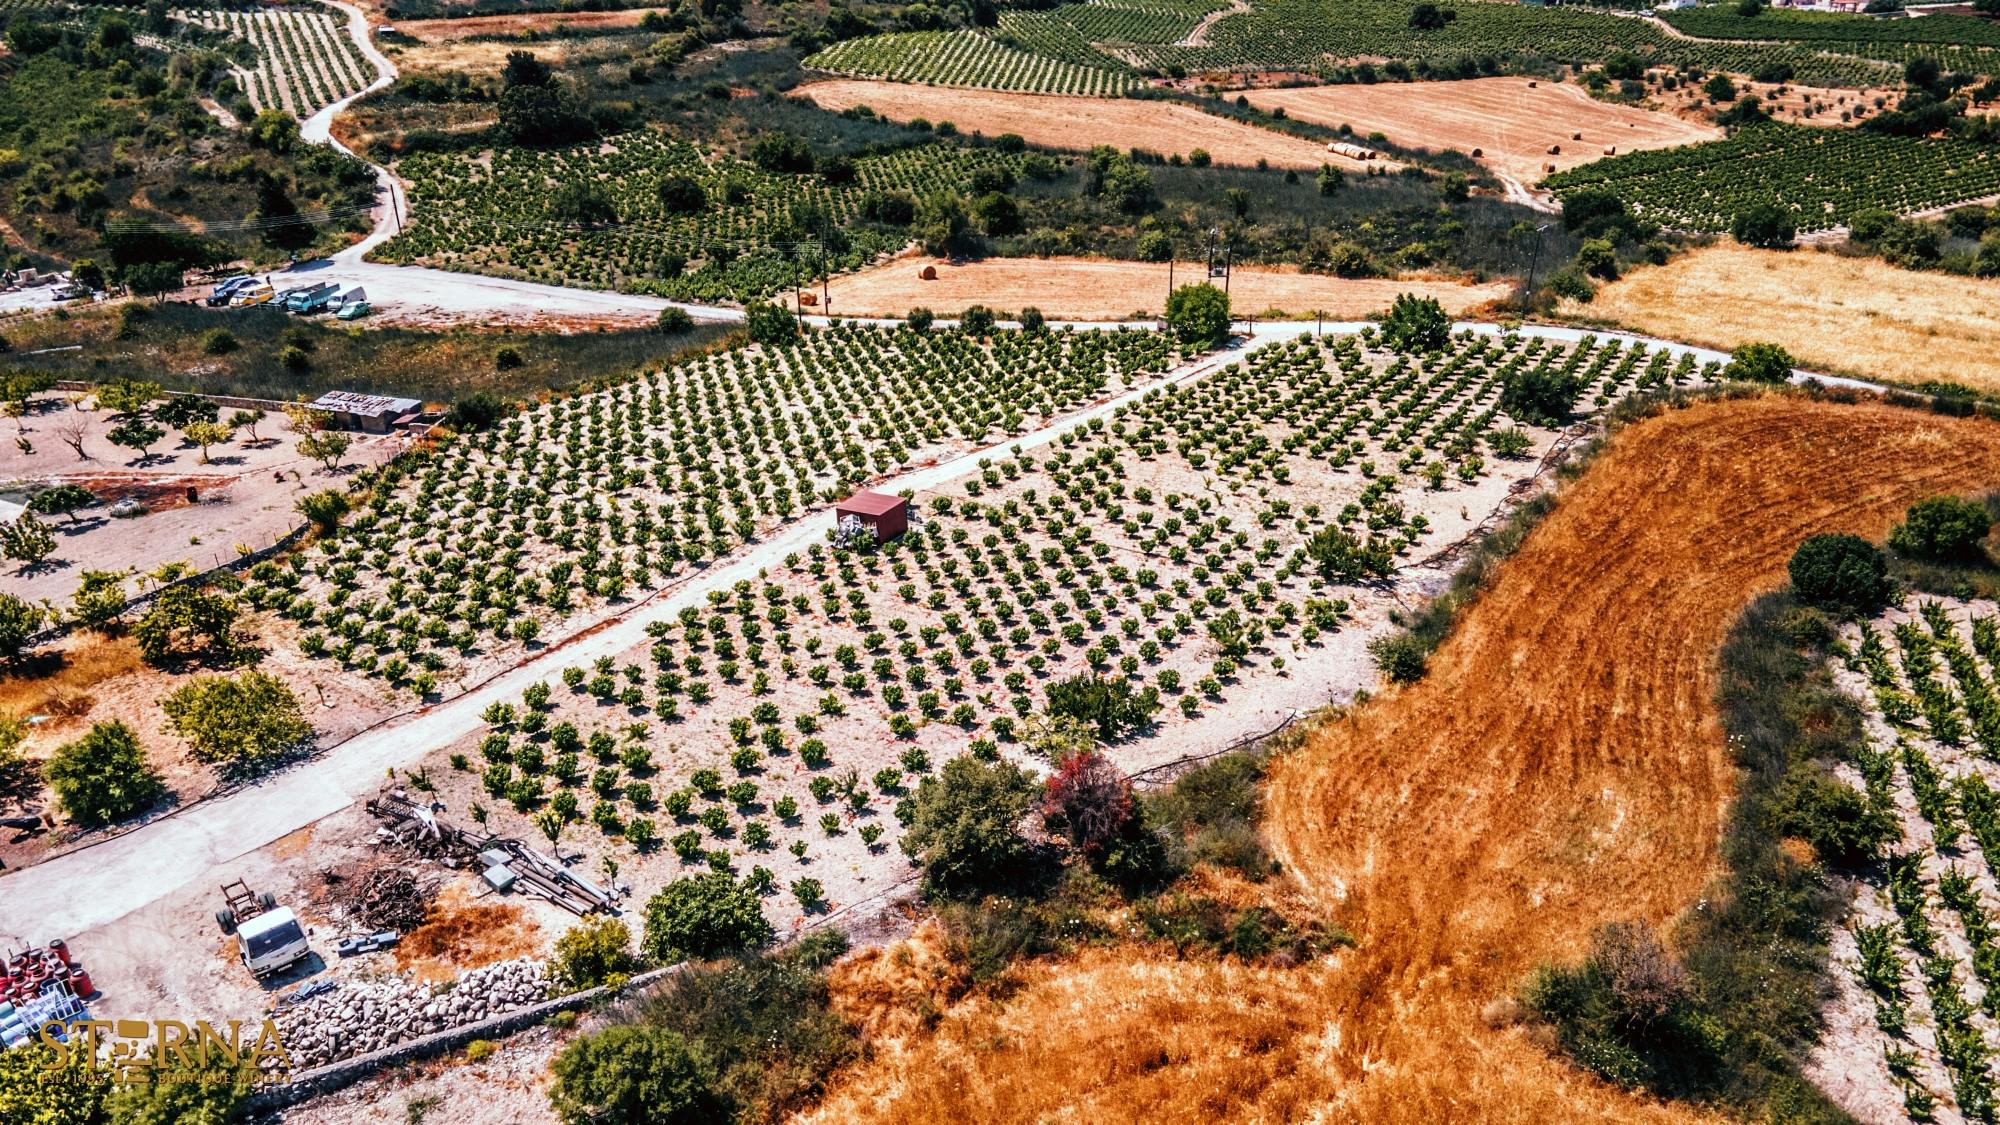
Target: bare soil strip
column 1095, row 289
column 1561, row 766
column 1514, row 122
column 1833, row 312
column 1079, row 123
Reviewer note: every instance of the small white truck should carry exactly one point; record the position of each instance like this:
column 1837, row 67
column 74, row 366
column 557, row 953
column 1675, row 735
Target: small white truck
column 269, row 937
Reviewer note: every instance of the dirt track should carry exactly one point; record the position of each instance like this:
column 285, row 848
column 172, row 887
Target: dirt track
column 1561, row 766
column 1080, row 123
column 1097, row 289
column 1512, row 122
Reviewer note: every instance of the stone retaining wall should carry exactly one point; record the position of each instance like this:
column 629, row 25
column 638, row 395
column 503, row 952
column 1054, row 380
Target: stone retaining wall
column 346, row 1072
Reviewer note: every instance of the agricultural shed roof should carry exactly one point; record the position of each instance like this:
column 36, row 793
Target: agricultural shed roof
column 871, row 503
column 368, row 406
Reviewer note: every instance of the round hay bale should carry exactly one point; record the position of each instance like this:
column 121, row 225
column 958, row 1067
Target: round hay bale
column 1477, row 153
column 1555, row 150
column 928, row 273
column 1576, row 136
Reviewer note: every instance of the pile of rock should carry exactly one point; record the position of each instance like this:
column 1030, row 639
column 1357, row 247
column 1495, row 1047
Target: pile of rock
column 363, row 1016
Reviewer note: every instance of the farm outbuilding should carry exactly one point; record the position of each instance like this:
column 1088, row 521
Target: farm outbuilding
column 884, row 515
column 374, row 414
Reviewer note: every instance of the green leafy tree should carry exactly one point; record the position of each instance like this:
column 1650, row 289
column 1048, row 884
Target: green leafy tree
column 592, row 952
column 635, row 1075
column 186, row 621
column 127, row 396
column 184, row 410
column 681, row 195
column 38, row 1088
column 1759, row 363
column 99, row 601
column 206, row 435
column 243, row 720
column 1416, row 324
column 62, row 500
column 1342, row 556
column 1539, row 394
column 479, row 411
column 1109, row 704
column 770, row 323
column 324, row 509
column 1764, row 225
column 27, row 541
column 1199, row 315
column 274, row 130
column 103, row 776
column 1843, row 573
column 325, row 446
column 136, row 434
column 965, row 826
column 248, row 421
column 944, row 226
column 20, row 619
column 1943, row 529
column 976, row 321
column 674, row 321
column 703, row 916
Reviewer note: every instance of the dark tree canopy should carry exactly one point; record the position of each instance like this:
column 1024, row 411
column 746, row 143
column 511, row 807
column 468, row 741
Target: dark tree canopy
column 1843, row 573
column 1943, row 529
column 965, row 826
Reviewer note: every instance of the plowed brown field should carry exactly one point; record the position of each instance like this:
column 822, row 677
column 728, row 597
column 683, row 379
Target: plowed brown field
column 1561, row 766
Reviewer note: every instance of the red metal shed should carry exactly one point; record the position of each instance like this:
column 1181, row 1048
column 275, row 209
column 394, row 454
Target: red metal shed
column 887, row 516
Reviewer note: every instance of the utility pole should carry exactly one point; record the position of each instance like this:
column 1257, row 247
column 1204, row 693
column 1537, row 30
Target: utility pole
column 1534, row 261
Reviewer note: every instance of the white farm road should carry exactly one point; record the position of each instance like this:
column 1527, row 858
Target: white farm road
column 102, row 882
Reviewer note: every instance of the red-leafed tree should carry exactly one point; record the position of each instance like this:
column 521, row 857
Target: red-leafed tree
column 1089, row 802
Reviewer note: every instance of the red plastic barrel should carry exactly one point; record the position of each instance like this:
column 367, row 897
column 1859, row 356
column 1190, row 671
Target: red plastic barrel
column 60, row 948
column 79, row 981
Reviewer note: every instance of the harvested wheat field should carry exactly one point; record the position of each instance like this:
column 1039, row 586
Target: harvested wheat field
column 1080, row 123
column 1512, row 121
column 1560, row 767
column 1835, row 313
column 1100, row 289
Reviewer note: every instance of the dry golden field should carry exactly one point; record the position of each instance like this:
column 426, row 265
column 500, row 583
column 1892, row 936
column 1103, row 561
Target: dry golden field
column 1854, row 316
column 1560, row 767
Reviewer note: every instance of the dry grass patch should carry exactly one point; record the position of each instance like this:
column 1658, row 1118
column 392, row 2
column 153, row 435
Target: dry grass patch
column 80, row 667
column 1512, row 121
column 1097, row 289
column 461, row 934
column 1561, row 766
column 1078, row 123
column 1857, row 316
